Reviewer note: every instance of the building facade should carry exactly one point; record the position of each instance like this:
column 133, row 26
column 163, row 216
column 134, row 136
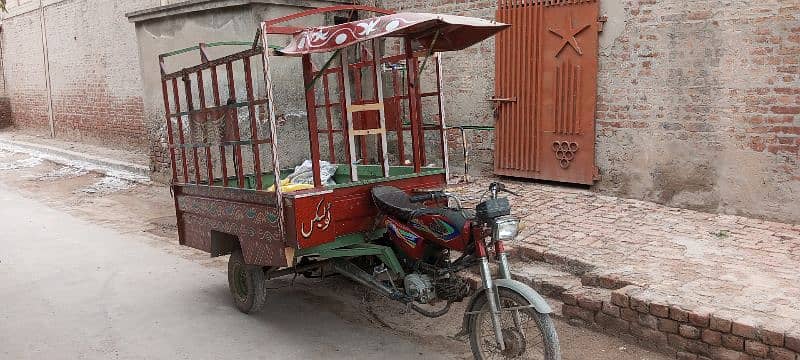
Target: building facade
column 698, row 103
column 70, row 69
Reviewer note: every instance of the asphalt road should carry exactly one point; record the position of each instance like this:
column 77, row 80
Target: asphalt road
column 70, row 289
column 98, row 274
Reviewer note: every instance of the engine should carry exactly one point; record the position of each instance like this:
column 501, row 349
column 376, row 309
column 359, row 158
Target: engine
column 424, row 289
column 452, row 288
column 419, row 287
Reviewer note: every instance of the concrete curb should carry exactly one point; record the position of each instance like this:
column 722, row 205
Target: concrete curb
column 110, row 167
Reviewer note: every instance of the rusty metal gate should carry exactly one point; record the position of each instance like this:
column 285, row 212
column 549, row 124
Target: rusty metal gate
column 545, row 89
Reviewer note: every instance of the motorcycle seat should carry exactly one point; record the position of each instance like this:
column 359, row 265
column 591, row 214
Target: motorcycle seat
column 395, row 203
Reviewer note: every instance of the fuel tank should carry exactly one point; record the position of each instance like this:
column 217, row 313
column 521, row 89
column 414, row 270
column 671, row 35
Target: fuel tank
column 445, row 227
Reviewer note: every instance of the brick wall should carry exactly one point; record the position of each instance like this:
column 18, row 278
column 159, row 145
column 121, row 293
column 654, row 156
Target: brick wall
column 698, row 103
column 694, row 334
column 5, row 106
column 96, row 86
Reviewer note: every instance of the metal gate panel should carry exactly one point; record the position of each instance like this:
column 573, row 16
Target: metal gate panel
column 545, row 89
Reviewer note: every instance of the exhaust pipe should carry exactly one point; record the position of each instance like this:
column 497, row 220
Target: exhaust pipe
column 355, row 273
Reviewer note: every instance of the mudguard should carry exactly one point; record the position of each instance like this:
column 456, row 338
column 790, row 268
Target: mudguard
column 526, row 291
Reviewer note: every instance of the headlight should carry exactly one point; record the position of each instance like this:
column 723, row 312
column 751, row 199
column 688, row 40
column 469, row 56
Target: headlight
column 505, row 228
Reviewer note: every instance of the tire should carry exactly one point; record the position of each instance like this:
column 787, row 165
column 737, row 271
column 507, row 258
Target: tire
column 247, row 284
column 541, row 344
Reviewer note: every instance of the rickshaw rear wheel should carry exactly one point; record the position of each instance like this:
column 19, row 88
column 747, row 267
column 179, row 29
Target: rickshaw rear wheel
column 247, row 284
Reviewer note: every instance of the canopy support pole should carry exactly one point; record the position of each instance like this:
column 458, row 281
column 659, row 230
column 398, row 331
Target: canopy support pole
column 276, row 168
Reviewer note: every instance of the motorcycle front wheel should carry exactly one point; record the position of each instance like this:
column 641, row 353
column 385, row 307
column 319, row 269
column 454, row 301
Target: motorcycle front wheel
column 527, row 334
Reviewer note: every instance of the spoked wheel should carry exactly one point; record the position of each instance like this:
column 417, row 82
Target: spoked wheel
column 527, row 334
column 247, row 284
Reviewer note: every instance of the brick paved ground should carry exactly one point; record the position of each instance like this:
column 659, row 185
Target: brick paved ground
column 738, row 278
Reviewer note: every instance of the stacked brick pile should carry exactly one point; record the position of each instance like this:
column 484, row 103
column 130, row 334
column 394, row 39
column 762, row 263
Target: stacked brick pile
column 692, row 334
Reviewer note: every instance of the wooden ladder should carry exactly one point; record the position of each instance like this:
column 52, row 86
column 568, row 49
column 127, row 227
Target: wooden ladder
column 377, row 106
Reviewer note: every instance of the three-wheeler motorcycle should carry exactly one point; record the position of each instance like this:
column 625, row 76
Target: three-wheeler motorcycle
column 365, row 199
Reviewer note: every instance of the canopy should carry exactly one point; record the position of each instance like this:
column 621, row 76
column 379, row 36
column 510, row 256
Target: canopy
column 444, row 32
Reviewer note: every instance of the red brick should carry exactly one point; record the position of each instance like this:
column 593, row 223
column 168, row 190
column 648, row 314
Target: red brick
column 659, row 310
column 745, row 329
column 792, row 340
column 611, row 323
column 718, row 353
column 648, row 321
column 639, row 305
column 619, row 299
column 589, row 303
column 628, row 314
column 680, row 343
column 732, row 342
column 700, row 15
column 712, row 337
column 719, row 324
column 610, row 309
column 773, row 338
column 678, row 314
column 698, row 319
column 778, row 353
column 689, row 332
column 653, row 337
column 756, row 348
column 569, row 298
column 574, row 312
column 668, row 326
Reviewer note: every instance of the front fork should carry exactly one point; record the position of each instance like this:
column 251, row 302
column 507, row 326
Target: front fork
column 488, row 284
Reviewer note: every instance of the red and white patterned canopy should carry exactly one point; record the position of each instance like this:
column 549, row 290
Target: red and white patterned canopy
column 454, row 32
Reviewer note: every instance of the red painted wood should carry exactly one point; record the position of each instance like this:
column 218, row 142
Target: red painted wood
column 233, row 121
column 248, row 79
column 311, row 110
column 187, row 88
column 413, row 105
column 180, row 129
column 170, row 138
column 201, row 93
column 329, row 116
column 217, row 103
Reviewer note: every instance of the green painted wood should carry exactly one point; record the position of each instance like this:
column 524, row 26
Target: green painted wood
column 367, row 174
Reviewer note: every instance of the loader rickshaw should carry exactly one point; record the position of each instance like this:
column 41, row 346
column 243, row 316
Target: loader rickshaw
column 368, row 200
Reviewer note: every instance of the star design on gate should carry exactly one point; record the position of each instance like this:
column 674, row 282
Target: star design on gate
column 568, row 36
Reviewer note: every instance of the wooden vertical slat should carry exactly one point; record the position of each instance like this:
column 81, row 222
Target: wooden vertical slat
column 170, row 138
column 217, row 102
column 357, row 98
column 384, row 156
column 181, row 137
column 413, row 95
column 343, row 111
column 398, row 92
column 442, row 117
column 348, row 117
column 187, row 86
column 201, row 91
column 251, row 108
column 311, row 111
column 329, row 117
column 237, row 148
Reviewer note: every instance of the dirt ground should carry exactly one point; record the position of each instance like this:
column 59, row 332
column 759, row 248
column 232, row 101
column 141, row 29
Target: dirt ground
column 147, row 211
